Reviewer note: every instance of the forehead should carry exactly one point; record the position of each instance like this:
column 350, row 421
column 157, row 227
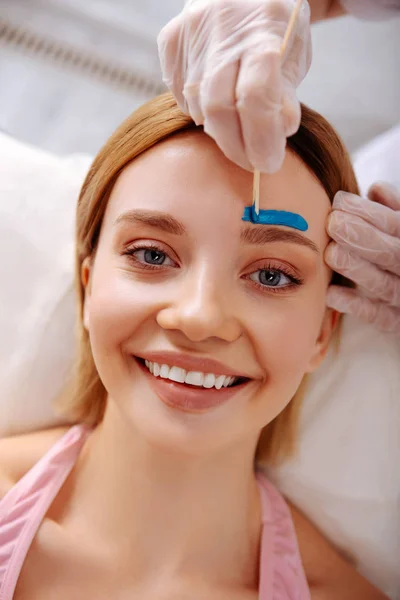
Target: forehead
column 189, row 177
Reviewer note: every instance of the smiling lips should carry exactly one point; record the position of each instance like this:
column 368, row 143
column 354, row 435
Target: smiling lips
column 190, row 383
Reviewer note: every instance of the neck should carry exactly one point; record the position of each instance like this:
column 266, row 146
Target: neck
column 164, row 513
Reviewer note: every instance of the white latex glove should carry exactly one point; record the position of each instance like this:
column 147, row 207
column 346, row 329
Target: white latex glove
column 367, row 251
column 221, row 60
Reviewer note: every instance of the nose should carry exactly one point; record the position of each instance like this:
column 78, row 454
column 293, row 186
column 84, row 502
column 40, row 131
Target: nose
column 202, row 309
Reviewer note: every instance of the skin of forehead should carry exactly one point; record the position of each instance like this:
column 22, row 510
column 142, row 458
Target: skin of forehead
column 197, row 148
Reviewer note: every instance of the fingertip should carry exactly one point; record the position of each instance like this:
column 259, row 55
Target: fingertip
column 335, row 223
column 379, row 314
column 273, row 163
column 265, row 143
column 341, row 260
column 344, row 200
column 330, row 256
column 384, row 193
column 348, row 301
column 337, row 298
column 228, row 138
column 270, row 159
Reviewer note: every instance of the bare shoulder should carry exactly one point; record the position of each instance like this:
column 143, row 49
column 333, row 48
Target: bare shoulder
column 19, row 453
column 330, row 575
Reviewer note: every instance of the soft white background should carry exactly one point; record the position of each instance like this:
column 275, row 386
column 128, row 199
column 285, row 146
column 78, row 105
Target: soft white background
column 354, row 80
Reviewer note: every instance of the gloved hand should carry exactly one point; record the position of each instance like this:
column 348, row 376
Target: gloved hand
column 221, row 60
column 367, row 251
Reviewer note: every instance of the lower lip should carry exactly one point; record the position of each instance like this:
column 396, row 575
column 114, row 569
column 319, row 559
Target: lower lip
column 189, row 398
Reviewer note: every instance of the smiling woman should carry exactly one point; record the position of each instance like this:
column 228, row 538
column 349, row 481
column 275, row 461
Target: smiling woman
column 196, row 330
column 316, row 145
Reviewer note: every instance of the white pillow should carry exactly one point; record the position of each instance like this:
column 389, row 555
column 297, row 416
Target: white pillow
column 38, row 194
column 346, row 475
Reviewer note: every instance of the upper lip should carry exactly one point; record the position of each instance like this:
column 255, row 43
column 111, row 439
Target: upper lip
column 191, row 363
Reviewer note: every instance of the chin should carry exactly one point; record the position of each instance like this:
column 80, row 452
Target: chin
column 166, row 429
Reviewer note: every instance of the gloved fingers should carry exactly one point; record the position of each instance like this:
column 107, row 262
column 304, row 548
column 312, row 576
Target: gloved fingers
column 221, row 119
column 379, row 284
column 360, row 237
column 266, row 90
column 182, row 48
column 230, row 37
column 252, row 31
column 259, row 94
column 194, row 41
column 386, row 194
column 382, row 215
column 169, row 43
column 251, row 114
column 348, row 301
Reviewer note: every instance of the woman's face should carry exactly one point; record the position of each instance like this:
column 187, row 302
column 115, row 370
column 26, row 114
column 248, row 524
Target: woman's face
column 179, row 279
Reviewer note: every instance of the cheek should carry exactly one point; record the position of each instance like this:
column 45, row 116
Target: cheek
column 117, row 307
column 287, row 336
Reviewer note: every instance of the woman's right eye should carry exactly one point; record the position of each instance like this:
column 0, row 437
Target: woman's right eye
column 152, row 257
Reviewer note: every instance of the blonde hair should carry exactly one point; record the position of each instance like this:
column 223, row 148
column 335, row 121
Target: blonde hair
column 316, row 143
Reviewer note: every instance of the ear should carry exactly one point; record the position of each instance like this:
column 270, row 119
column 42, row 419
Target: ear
column 328, row 326
column 86, row 280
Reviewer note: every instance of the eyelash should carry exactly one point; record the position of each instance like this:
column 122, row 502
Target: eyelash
column 295, row 280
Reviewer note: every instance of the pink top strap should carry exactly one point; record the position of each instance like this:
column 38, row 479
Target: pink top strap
column 24, row 507
column 282, row 575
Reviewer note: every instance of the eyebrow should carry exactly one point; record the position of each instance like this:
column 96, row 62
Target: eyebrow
column 253, row 234
column 265, row 235
column 151, row 218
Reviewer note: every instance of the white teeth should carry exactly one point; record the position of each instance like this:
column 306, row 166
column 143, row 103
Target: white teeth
column 219, row 382
column 164, row 371
column 206, row 380
column 194, row 378
column 156, row 369
column 177, row 374
column 209, row 380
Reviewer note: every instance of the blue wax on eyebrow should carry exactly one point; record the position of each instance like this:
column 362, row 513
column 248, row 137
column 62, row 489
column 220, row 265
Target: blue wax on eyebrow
column 275, row 217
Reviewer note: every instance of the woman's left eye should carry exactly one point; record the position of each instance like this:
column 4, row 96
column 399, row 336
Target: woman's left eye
column 151, row 257
column 273, row 278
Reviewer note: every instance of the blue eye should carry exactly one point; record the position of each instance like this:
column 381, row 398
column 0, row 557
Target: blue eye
column 152, row 257
column 271, row 278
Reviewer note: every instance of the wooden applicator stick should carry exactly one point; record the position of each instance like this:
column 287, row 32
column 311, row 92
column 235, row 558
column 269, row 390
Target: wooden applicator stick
column 291, row 24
